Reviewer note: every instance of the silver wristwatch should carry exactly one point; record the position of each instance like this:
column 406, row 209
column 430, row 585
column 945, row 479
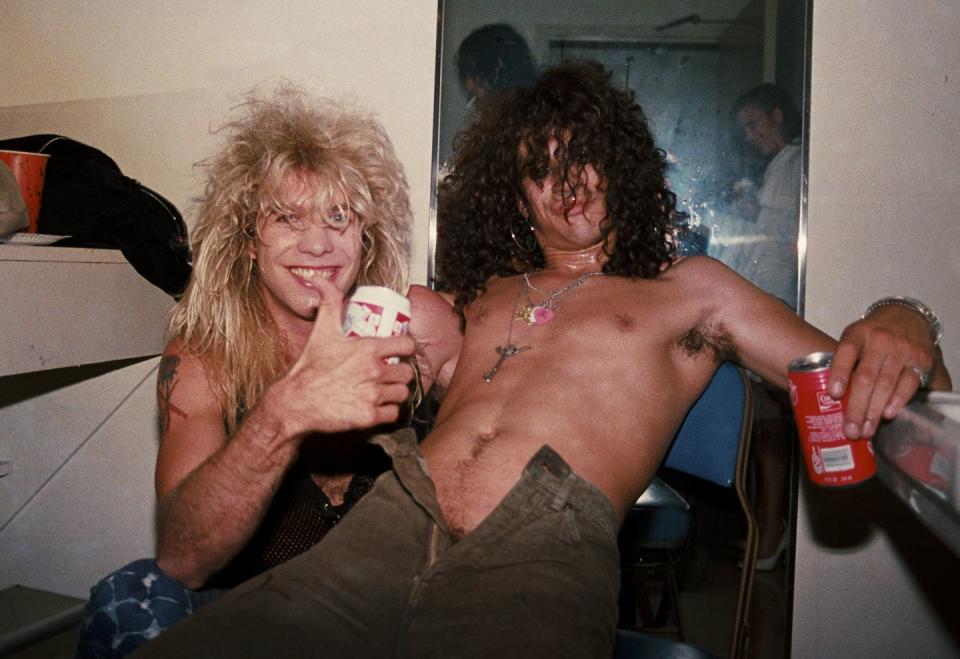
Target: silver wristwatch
column 936, row 327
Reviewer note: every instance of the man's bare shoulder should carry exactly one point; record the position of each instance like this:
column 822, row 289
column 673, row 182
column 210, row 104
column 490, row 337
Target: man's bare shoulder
column 182, row 377
column 708, row 281
column 435, row 326
column 427, row 299
column 489, row 297
column 191, row 422
column 185, row 362
column 432, row 313
column 702, row 290
column 696, row 267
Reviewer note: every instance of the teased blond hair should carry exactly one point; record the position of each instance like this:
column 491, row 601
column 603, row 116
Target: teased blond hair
column 222, row 317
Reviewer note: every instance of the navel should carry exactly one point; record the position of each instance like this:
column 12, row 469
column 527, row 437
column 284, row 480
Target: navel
column 480, row 442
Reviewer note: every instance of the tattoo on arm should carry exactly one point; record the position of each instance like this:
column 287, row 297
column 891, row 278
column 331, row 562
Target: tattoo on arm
column 166, row 381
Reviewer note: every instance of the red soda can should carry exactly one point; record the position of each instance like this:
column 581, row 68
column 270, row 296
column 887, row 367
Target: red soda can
column 832, row 460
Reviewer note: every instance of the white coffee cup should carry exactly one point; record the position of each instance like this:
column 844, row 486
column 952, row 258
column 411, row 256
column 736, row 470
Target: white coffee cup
column 377, row 311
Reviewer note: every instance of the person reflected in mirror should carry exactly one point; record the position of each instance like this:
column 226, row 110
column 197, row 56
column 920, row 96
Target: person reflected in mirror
column 770, row 123
column 264, row 405
column 492, row 58
column 585, row 344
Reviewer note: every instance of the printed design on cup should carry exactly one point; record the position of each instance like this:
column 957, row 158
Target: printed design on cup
column 401, row 325
column 377, row 311
column 370, row 319
column 363, row 319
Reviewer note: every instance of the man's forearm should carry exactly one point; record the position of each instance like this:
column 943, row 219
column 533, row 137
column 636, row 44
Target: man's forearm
column 209, row 517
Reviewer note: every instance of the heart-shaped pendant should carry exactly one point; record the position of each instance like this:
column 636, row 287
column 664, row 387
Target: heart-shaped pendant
column 541, row 315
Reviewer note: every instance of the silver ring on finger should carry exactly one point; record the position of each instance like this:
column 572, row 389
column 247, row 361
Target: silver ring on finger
column 922, row 375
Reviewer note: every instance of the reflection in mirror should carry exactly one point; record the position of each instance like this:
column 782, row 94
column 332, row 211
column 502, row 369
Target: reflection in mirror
column 720, row 82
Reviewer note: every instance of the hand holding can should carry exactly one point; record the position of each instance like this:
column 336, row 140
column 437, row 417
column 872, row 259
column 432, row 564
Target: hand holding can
column 832, row 459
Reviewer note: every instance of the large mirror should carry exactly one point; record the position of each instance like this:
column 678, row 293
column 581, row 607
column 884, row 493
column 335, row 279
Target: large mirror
column 722, row 83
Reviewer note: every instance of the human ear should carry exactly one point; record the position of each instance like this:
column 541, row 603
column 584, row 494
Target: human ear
column 251, row 244
column 522, row 209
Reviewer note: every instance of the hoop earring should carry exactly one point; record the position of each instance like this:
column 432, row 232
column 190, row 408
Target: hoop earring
column 530, row 241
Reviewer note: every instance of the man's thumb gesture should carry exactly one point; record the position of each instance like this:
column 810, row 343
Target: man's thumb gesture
column 329, row 320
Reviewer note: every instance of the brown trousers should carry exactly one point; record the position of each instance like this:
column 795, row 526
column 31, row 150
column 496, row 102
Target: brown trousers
column 537, row 578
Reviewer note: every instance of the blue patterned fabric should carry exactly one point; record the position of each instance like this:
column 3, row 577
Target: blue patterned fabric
column 134, row 604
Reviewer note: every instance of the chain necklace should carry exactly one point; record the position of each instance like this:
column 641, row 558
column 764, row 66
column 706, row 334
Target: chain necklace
column 533, row 314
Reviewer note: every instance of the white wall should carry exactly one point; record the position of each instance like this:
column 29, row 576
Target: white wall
column 78, row 502
column 145, row 82
column 883, row 198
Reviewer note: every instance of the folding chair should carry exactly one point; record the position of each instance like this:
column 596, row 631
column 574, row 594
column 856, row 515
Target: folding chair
column 713, row 444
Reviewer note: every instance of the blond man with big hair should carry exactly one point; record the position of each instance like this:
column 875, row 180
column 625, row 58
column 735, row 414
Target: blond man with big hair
column 264, row 405
column 222, row 314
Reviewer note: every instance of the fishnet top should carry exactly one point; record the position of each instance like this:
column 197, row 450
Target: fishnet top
column 298, row 518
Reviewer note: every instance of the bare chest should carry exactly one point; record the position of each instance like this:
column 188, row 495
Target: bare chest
column 592, row 325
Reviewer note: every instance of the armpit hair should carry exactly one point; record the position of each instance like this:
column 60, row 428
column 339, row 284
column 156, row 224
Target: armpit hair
column 711, row 338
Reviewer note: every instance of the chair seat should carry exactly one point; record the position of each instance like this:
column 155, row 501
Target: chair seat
column 659, row 519
column 661, row 495
column 655, row 527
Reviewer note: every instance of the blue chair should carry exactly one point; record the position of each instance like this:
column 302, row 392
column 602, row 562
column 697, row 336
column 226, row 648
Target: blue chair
column 633, row 645
column 653, row 536
column 712, row 444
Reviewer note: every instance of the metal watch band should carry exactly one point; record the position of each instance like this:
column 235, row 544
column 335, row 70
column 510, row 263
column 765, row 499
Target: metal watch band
column 936, row 327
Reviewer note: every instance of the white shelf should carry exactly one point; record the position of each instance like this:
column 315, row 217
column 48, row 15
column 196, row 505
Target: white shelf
column 67, row 306
column 11, row 252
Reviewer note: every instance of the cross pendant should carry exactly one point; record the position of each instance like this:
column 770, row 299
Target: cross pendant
column 508, row 350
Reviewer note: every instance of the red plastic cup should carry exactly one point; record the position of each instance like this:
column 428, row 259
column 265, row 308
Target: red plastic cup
column 832, row 460
column 29, row 170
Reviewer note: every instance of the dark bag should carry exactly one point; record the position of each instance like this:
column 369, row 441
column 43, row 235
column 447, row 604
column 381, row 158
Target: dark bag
column 88, row 198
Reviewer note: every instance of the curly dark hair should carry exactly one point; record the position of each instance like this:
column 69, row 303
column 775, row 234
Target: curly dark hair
column 593, row 123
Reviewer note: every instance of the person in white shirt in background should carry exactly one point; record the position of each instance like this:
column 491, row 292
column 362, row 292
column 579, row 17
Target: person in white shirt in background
column 771, row 124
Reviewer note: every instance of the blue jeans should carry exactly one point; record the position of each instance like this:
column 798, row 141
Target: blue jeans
column 134, row 604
